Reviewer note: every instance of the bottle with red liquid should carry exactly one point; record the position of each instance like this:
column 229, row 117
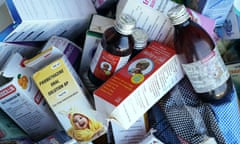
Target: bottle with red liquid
column 202, row 63
column 114, row 50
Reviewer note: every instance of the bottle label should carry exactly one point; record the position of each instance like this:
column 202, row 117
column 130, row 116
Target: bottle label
column 207, row 74
column 104, row 64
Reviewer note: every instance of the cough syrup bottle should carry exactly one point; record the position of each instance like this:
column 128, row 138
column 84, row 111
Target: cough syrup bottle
column 114, row 50
column 201, row 61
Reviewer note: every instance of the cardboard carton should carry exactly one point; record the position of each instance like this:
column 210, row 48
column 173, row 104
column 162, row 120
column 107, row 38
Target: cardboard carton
column 21, row 100
column 68, row 101
column 135, row 88
column 71, row 50
column 38, row 20
column 6, row 49
column 93, row 36
column 155, row 23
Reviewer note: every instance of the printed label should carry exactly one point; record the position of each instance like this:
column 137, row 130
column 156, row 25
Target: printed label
column 104, row 64
column 7, row 91
column 208, row 73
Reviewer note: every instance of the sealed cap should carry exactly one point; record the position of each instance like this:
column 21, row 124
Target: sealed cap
column 125, row 24
column 140, row 38
column 178, row 14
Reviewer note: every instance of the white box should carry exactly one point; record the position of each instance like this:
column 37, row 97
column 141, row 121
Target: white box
column 150, row 18
column 21, row 100
column 134, row 134
column 6, row 49
column 33, row 20
column 130, row 92
column 93, row 36
column 231, row 27
column 162, row 6
column 71, row 50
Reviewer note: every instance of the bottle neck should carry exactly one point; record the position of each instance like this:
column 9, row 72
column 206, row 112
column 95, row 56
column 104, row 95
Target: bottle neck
column 183, row 24
column 123, row 30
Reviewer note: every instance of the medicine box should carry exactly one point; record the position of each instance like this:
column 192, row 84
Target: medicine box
column 71, row 50
column 21, row 100
column 135, row 88
column 68, row 101
column 93, row 36
column 38, row 20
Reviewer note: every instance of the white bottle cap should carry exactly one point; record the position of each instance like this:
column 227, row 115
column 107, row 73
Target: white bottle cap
column 125, row 24
column 178, row 14
column 140, row 38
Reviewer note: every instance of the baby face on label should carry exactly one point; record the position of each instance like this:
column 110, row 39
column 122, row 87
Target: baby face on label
column 80, row 121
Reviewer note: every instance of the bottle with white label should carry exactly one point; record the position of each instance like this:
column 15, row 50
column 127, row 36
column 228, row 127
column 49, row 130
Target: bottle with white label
column 202, row 63
column 114, row 50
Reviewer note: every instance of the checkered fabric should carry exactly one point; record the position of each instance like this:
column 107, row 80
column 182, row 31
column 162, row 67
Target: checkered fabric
column 190, row 118
column 228, row 117
column 158, row 121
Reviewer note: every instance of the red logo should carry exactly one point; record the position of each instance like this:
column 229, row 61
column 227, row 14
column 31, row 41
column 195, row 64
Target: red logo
column 7, row 91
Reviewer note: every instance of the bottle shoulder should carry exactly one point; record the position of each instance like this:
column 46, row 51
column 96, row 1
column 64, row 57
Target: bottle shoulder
column 116, row 43
column 193, row 41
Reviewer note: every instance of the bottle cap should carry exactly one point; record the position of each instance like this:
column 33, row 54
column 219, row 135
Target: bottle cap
column 140, row 38
column 178, row 14
column 125, row 24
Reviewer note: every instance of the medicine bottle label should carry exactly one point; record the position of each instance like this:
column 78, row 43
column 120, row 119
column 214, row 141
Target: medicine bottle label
column 208, row 73
column 104, row 64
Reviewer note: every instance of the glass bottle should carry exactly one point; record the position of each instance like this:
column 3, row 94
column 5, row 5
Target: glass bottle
column 202, row 63
column 140, row 41
column 114, row 50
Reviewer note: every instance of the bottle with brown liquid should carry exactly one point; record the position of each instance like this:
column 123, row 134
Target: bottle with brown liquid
column 202, row 63
column 114, row 50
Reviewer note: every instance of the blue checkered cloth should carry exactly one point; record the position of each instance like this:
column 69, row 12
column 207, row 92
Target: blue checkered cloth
column 158, row 121
column 189, row 116
column 228, row 117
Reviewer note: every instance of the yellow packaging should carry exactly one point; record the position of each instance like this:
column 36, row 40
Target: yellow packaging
column 68, row 101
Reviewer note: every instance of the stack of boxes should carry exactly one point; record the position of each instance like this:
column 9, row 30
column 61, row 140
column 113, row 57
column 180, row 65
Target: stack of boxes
column 45, row 103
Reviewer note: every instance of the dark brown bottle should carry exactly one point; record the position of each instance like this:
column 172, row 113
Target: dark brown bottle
column 114, row 50
column 202, row 62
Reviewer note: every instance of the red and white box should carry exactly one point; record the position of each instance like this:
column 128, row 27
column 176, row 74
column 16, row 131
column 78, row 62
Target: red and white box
column 130, row 92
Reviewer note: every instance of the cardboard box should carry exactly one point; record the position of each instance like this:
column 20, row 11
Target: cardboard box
column 144, row 9
column 68, row 101
column 135, row 88
column 21, row 100
column 8, row 129
column 216, row 10
column 38, row 20
column 134, row 134
column 93, row 36
column 71, row 50
column 154, row 22
column 162, row 6
column 6, row 49
column 231, row 28
column 58, row 137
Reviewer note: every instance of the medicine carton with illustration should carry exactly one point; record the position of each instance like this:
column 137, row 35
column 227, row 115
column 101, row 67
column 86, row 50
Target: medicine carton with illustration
column 129, row 93
column 57, row 82
column 21, row 100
